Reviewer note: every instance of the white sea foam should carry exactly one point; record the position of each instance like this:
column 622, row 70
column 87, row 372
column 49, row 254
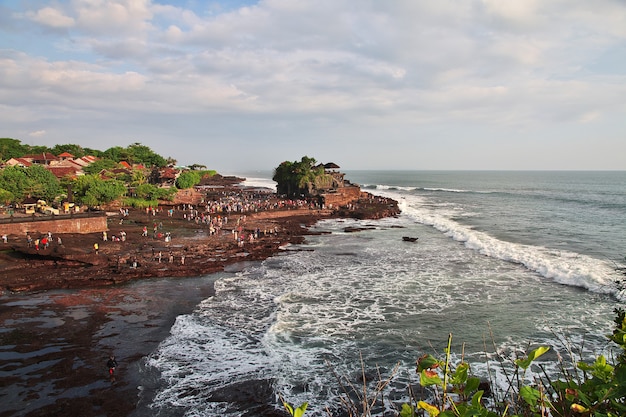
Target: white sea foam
column 260, row 182
column 564, row 267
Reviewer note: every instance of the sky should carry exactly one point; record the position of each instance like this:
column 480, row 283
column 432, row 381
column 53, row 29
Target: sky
column 242, row 85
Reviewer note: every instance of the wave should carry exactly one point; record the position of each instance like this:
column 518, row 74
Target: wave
column 383, row 187
column 388, row 187
column 562, row 266
column 260, row 182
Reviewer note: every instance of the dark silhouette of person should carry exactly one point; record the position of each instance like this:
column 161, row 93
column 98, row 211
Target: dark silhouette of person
column 112, row 364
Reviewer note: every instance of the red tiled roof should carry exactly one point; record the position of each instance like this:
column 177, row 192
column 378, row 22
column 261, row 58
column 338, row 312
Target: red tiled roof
column 19, row 161
column 41, row 157
column 61, row 172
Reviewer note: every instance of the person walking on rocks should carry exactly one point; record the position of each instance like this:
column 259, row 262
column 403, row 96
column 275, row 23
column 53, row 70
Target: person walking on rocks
column 95, row 247
column 112, row 364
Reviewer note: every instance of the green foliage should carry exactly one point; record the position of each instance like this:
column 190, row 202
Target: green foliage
column 135, row 153
column 12, row 148
column 142, row 154
column 92, row 190
column 35, row 181
column 14, row 180
column 43, row 183
column 297, row 412
column 6, row 197
column 188, row 179
column 139, row 203
column 16, row 183
column 152, row 192
column 100, row 165
column 76, row 150
column 296, row 178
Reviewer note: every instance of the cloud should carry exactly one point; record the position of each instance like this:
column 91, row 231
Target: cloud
column 291, row 74
column 37, row 134
column 51, row 17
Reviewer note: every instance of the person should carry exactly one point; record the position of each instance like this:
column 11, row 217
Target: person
column 95, row 248
column 112, row 364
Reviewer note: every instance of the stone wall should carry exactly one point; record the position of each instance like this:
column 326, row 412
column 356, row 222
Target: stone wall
column 341, row 196
column 69, row 224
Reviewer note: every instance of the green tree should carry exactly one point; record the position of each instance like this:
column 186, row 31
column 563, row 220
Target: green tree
column 146, row 156
column 14, row 180
column 42, row 183
column 118, row 154
column 94, row 191
column 75, row 150
column 298, row 177
column 34, row 181
column 197, row 167
column 11, row 148
column 188, row 179
column 6, row 197
column 105, row 164
column 145, row 191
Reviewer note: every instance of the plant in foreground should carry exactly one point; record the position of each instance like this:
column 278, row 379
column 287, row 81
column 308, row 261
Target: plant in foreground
column 295, row 412
column 584, row 389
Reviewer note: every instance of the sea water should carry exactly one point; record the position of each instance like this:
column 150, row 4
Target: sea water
column 504, row 261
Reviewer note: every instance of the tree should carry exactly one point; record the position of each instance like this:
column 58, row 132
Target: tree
column 76, row 150
column 5, row 197
column 296, row 178
column 188, row 179
column 142, row 154
column 197, row 167
column 11, row 148
column 42, row 183
column 14, row 180
column 93, row 190
column 117, row 154
column 34, row 181
column 99, row 165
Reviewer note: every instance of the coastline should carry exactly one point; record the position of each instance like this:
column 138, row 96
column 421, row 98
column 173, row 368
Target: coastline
column 62, row 319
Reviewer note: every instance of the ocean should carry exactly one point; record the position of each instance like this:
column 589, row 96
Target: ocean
column 504, row 261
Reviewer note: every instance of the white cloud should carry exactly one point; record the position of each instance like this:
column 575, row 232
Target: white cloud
column 52, row 17
column 37, row 134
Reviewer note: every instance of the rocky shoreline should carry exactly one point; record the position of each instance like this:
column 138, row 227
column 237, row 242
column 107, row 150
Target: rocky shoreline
column 56, row 341
column 191, row 249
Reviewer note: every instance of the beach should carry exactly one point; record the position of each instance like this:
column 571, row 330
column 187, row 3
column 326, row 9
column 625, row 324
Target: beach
column 61, row 320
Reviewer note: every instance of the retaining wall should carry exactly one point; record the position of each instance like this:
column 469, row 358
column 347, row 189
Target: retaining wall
column 54, row 224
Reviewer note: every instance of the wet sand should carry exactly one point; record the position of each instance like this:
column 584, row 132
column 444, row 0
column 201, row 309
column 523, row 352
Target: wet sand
column 54, row 344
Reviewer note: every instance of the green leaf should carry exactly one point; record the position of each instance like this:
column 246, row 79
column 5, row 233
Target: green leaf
column 476, row 399
column 471, row 385
column 530, row 395
column 299, row 412
column 407, row 411
column 460, row 374
column 534, row 354
column 428, row 378
column 427, row 362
